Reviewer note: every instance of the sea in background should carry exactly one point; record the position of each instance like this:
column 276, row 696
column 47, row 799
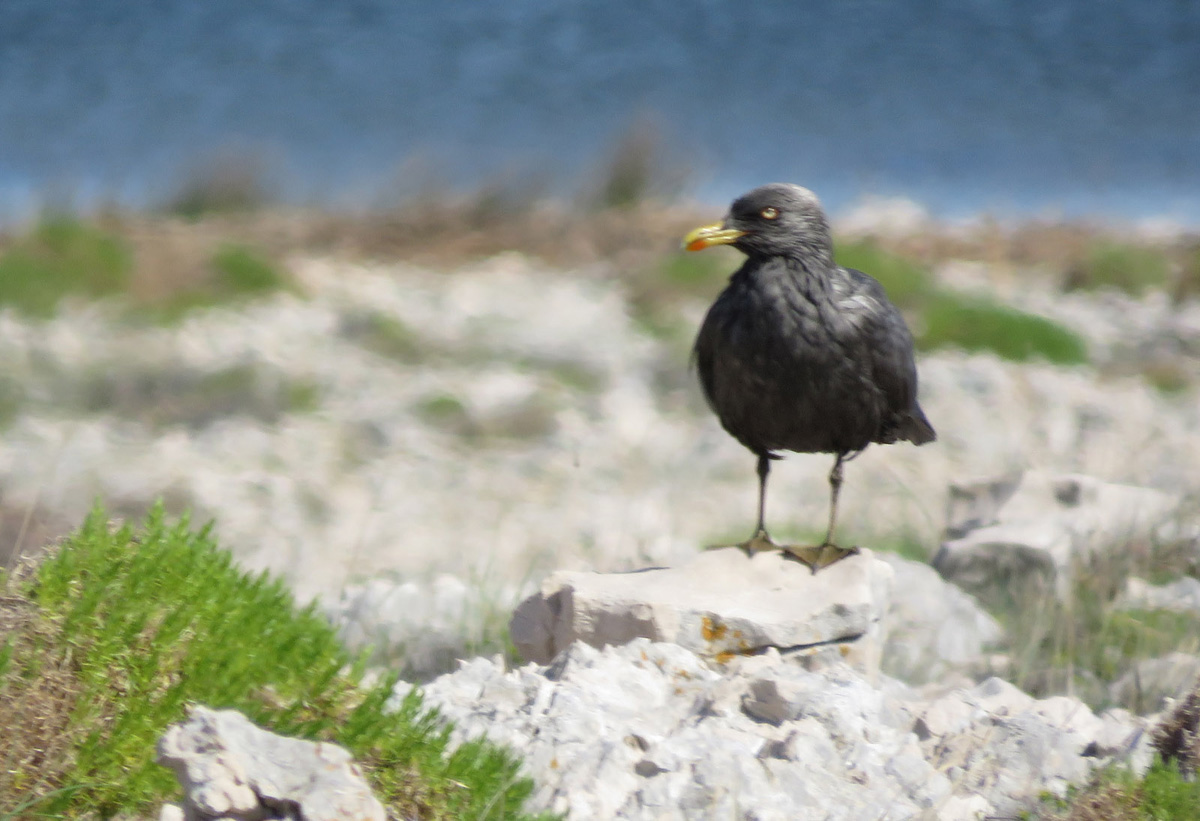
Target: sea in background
column 1008, row 107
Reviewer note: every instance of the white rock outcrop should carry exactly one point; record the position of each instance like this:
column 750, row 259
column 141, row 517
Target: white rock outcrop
column 1179, row 596
column 1027, row 529
column 653, row 731
column 933, row 627
column 234, row 771
column 1151, row 684
column 721, row 602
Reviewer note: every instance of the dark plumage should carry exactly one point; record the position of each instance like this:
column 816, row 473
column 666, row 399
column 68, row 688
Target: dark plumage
column 799, row 353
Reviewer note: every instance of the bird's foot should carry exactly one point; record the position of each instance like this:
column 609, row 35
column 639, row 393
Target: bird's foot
column 760, row 541
column 757, row 543
column 819, row 557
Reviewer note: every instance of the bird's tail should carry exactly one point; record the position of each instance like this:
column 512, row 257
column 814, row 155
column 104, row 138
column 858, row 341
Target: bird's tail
column 916, row 428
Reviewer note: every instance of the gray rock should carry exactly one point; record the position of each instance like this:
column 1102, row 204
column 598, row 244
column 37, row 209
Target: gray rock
column 653, row 731
column 721, row 602
column 1151, row 682
column 1027, row 530
column 933, row 627
column 424, row 624
column 232, row 770
column 1179, row 596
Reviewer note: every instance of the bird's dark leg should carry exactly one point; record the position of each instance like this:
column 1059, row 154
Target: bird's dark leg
column 835, row 486
column 827, row 552
column 761, row 540
column 764, row 470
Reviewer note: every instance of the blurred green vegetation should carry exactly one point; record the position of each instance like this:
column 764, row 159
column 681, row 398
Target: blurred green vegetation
column 61, row 257
column 638, row 171
column 387, row 336
column 1115, row 794
column 65, row 257
column 12, row 399
column 119, row 630
column 908, row 283
column 162, row 397
column 237, row 273
column 699, row 274
column 228, row 183
column 242, row 271
column 943, row 318
column 446, row 412
column 1131, row 268
column 1079, row 641
column 973, row 323
column 654, row 293
column 1187, row 285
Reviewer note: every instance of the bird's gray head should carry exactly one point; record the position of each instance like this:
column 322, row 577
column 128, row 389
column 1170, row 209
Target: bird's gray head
column 779, row 219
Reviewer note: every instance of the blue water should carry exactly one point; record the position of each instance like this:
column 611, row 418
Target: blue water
column 1007, row 106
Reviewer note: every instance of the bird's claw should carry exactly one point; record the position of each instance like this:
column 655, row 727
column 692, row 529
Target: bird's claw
column 758, row 543
column 820, row 556
column 816, row 558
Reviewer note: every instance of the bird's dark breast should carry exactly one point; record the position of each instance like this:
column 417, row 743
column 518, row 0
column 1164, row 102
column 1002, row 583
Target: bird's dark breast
column 784, row 372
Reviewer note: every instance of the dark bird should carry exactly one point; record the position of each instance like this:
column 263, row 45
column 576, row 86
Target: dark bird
column 801, row 354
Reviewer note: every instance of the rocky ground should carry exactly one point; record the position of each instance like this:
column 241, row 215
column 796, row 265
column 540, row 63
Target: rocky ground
column 470, row 431
column 419, row 447
column 651, row 731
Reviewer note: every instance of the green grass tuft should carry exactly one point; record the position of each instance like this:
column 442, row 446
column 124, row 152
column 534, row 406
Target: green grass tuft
column 1116, row 794
column 1167, row 795
column 238, row 273
column 979, row 324
column 389, row 337
column 119, row 630
column 1133, row 269
column 61, row 257
column 946, row 319
column 242, row 271
column 908, row 284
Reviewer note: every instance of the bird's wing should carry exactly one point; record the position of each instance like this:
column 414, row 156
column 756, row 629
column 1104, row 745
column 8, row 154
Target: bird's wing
column 703, row 353
column 888, row 342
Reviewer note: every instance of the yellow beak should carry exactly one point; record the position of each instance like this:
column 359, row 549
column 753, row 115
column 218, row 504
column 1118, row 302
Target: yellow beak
column 707, row 236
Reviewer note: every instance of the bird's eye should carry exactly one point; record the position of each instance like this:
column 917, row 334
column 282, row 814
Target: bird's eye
column 769, row 213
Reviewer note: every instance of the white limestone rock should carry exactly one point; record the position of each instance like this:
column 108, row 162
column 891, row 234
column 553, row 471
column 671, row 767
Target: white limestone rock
column 721, row 602
column 933, row 627
column 652, row 731
column 1027, row 529
column 232, row 770
column 1179, row 596
column 1149, row 683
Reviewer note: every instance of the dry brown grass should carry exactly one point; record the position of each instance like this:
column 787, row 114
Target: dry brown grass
column 38, row 741
column 173, row 254
column 1177, row 739
column 1105, row 802
column 26, row 530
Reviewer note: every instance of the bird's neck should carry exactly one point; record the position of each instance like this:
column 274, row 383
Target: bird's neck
column 811, row 270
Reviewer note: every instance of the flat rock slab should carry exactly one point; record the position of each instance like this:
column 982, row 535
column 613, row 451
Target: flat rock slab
column 1027, row 529
column 722, row 602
